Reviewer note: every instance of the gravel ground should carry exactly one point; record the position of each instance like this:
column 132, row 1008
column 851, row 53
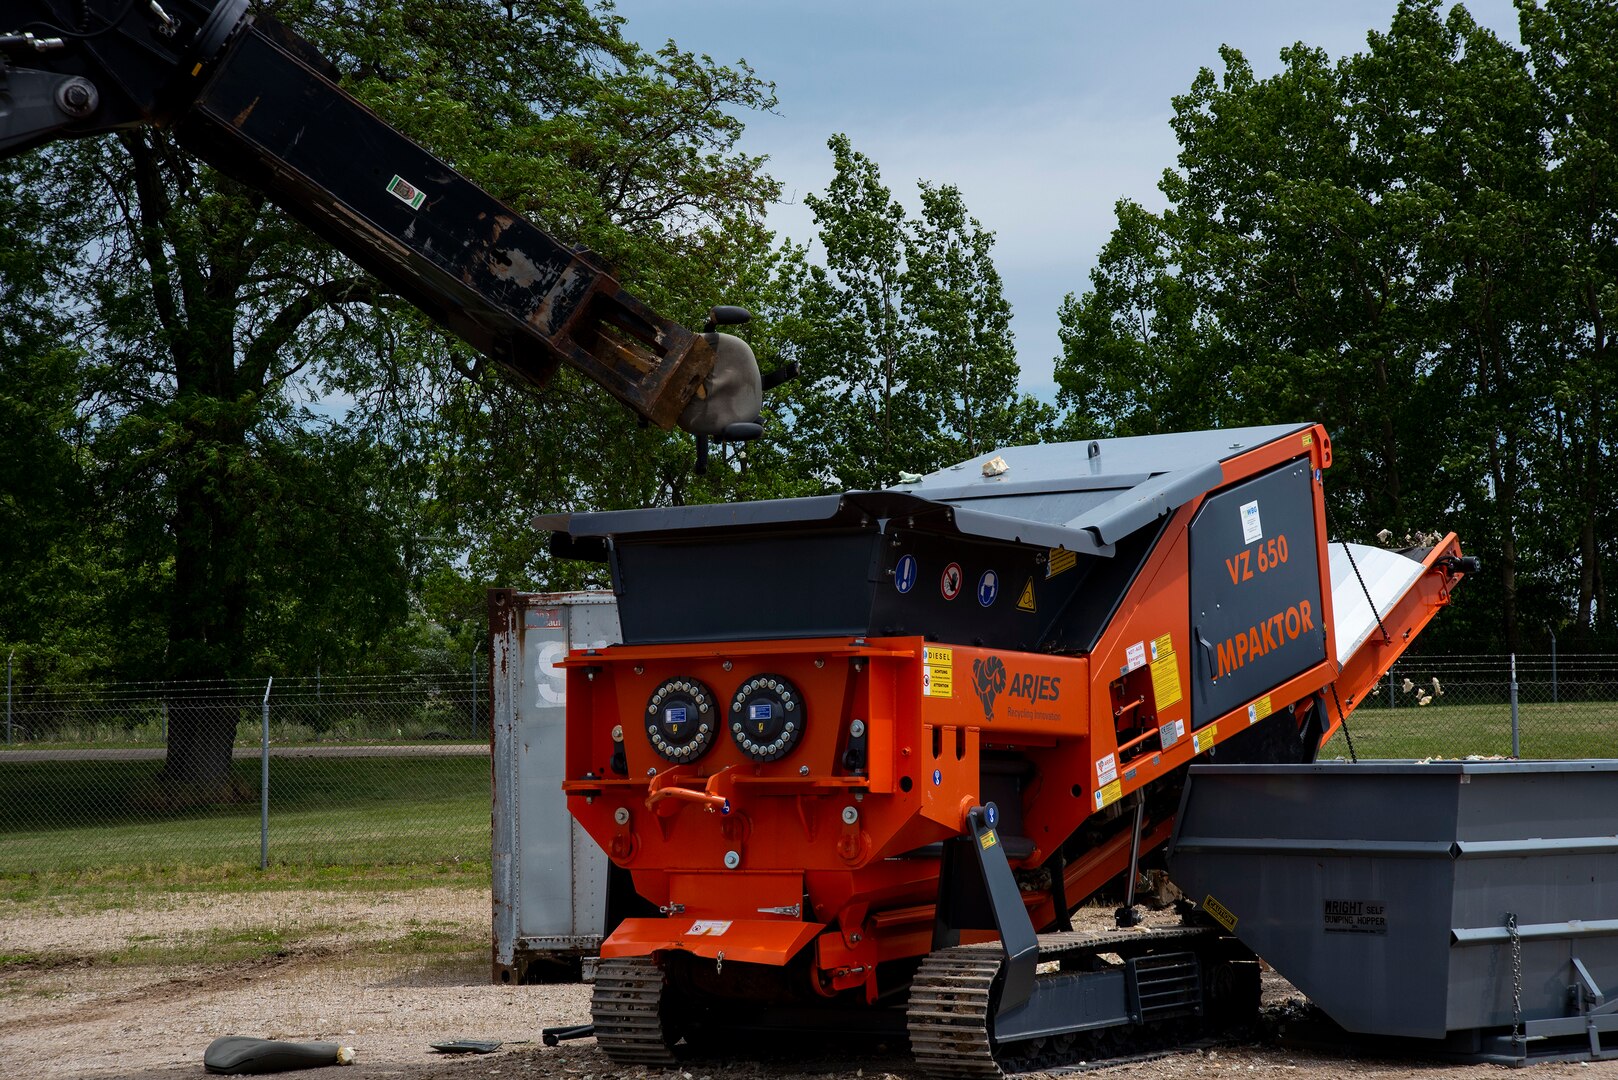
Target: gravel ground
column 78, row 1012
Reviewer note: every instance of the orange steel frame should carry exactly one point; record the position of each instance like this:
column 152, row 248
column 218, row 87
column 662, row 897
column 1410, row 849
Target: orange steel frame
column 816, row 849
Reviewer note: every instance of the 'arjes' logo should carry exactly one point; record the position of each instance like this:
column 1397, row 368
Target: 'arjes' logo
column 988, row 679
column 1036, row 687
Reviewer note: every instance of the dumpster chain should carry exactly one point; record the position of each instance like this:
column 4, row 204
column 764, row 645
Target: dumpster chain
column 628, row 1009
column 1516, row 978
column 953, row 1000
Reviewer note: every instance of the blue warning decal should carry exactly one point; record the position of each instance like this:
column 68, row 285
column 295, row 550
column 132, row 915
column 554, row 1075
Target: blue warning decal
column 988, row 587
column 904, row 575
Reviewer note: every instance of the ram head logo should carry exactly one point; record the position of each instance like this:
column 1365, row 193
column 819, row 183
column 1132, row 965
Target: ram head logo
column 989, row 680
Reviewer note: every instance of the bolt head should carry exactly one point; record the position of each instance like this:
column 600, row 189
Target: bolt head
column 733, row 859
column 621, row 815
column 803, row 770
column 850, row 815
column 617, row 733
column 857, row 728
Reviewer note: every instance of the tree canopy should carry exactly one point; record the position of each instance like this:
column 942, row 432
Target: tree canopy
column 1412, row 244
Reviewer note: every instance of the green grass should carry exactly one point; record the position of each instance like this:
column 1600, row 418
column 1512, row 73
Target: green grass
column 1567, row 730
column 65, row 816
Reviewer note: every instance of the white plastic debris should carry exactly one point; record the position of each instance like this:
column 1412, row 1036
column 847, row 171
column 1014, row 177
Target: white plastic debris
column 995, row 466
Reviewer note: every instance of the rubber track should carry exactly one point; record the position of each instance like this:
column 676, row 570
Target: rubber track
column 627, row 1007
column 952, row 1000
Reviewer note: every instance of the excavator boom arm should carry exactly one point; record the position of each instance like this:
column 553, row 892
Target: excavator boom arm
column 260, row 104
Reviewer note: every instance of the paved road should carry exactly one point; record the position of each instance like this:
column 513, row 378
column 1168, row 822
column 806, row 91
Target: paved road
column 252, row 752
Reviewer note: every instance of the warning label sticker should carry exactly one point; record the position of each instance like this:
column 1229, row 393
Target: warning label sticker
column 1258, row 710
column 1166, row 681
column 1205, row 738
column 1162, row 646
column 406, row 192
column 1354, row 917
column 988, row 840
column 708, row 928
column 1135, row 656
column 1059, row 561
column 1107, row 770
column 938, row 673
column 1025, row 600
column 1109, row 794
column 1221, row 914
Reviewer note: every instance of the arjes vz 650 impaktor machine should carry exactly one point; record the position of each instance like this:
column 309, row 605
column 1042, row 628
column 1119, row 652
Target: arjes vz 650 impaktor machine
column 862, row 754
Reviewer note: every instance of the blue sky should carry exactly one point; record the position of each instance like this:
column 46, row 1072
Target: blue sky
column 1044, row 114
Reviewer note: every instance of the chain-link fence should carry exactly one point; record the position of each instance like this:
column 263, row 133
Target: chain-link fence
column 312, row 772
column 371, row 771
column 1541, row 706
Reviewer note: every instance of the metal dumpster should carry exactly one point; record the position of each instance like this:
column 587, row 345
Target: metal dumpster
column 1462, row 901
column 550, row 878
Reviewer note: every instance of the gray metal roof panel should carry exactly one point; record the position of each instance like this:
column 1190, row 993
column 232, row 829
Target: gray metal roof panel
column 1053, row 495
column 1122, row 462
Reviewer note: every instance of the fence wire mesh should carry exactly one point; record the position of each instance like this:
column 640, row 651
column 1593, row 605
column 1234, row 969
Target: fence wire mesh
column 1461, row 706
column 361, row 771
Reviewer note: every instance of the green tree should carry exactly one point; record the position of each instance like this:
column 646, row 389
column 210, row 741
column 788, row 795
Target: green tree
column 1383, row 243
column 903, row 334
column 217, row 316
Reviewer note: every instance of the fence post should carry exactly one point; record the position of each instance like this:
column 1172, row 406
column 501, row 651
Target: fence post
column 8, row 696
column 264, row 783
column 1553, row 666
column 1516, row 739
column 476, row 646
column 1392, row 672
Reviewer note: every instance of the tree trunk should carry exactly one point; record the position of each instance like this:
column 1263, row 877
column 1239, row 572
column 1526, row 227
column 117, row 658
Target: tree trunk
column 202, row 730
column 207, row 620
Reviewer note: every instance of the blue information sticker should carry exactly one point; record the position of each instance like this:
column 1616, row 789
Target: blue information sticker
column 760, row 711
column 674, row 714
column 988, row 587
column 938, row 777
column 904, row 575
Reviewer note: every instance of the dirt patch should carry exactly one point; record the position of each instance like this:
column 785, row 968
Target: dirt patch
column 364, row 978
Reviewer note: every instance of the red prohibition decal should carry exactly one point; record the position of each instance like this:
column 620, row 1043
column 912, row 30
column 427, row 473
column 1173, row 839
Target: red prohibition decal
column 950, row 583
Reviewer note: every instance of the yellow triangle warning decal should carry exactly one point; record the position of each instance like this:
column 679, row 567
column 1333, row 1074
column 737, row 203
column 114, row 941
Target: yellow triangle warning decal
column 1025, row 602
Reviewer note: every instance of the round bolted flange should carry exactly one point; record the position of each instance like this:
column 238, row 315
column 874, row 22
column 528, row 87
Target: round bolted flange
column 733, row 859
column 77, row 97
column 621, row 815
column 850, row 815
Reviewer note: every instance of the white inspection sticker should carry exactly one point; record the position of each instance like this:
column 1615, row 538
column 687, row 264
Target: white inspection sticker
column 708, row 928
column 1252, row 529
